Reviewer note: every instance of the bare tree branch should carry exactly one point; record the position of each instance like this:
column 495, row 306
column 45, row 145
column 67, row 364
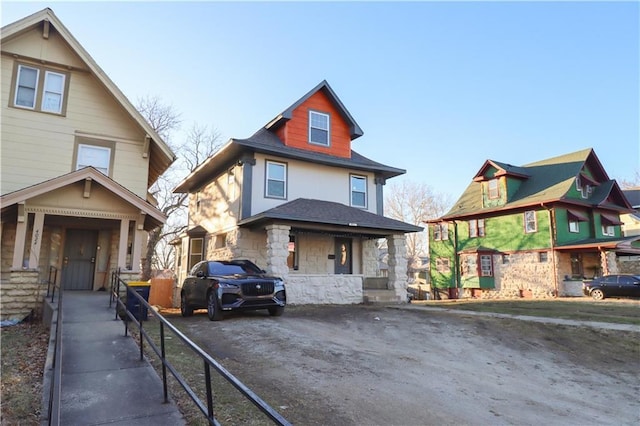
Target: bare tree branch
column 199, row 143
column 414, row 203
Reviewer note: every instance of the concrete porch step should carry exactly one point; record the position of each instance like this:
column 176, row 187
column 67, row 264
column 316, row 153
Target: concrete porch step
column 381, row 296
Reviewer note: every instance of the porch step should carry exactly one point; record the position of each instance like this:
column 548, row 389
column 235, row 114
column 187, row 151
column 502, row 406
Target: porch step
column 380, row 296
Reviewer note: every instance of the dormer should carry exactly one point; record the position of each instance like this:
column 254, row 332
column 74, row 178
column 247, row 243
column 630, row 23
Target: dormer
column 498, row 182
column 317, row 122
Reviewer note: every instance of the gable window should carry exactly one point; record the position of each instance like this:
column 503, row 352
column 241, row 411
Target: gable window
column 436, row 232
column 276, row 180
column 39, row 89
column 574, row 226
column 358, row 191
column 530, row 222
column 476, row 228
column 494, row 190
column 486, row 266
column 98, row 157
column 318, row 128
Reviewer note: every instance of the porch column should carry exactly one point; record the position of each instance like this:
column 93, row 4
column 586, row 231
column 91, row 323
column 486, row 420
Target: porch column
column 608, row 262
column 36, row 240
column 138, row 240
column 122, row 244
column 21, row 236
column 398, row 264
column 278, row 250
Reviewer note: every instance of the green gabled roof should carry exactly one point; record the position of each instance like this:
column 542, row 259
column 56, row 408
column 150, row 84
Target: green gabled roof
column 548, row 181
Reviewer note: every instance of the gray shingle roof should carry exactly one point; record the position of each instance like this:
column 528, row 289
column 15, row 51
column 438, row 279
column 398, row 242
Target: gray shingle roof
column 330, row 213
column 265, row 141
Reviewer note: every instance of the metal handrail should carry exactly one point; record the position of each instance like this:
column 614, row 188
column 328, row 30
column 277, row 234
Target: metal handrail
column 51, row 283
column 55, row 391
column 208, row 361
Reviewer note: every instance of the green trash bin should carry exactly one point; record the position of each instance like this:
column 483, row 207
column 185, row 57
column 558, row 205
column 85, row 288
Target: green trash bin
column 133, row 304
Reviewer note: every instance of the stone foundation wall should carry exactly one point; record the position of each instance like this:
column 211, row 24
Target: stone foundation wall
column 21, row 295
column 524, row 275
column 324, row 289
column 629, row 264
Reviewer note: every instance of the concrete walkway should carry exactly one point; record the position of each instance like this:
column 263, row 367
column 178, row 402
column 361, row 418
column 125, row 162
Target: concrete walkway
column 418, row 305
column 103, row 379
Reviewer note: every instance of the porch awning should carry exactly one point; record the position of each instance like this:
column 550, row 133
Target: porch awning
column 610, row 219
column 618, row 245
column 577, row 216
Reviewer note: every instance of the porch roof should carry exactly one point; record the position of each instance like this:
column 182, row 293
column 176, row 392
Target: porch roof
column 153, row 216
column 621, row 245
column 314, row 214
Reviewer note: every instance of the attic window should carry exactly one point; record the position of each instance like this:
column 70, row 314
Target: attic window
column 494, row 190
column 318, row 128
column 39, row 89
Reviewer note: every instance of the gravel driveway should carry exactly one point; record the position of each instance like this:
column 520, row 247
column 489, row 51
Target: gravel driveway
column 364, row 365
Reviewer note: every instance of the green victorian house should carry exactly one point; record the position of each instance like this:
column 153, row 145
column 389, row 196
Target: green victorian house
column 535, row 230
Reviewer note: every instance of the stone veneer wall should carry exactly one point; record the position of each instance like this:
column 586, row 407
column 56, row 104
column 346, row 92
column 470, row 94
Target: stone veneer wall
column 319, row 289
column 524, row 274
column 629, row 264
column 21, row 295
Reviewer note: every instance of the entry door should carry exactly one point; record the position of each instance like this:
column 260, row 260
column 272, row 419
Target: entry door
column 343, row 256
column 79, row 259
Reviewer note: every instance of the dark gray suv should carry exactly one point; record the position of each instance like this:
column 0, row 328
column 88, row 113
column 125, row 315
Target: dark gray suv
column 226, row 285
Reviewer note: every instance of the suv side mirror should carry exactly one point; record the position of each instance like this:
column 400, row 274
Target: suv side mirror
column 200, row 274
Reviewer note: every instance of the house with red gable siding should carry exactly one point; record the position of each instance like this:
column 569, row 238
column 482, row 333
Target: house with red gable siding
column 297, row 200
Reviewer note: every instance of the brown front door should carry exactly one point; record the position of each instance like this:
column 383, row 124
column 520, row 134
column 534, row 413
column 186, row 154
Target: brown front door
column 79, row 259
column 343, row 256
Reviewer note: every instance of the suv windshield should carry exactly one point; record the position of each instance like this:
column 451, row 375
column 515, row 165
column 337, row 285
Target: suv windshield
column 232, row 268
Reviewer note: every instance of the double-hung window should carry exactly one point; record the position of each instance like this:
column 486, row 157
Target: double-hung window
column 574, row 226
column 608, row 230
column 494, row 189
column 486, row 265
column 98, row 157
column 276, row 180
column 476, row 228
column 358, row 191
column 530, row 222
column 39, row 89
column 319, row 128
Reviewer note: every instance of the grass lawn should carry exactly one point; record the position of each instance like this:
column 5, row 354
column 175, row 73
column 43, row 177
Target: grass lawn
column 619, row 311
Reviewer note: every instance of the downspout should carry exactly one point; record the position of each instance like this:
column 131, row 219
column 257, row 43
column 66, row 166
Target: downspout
column 552, row 234
column 456, row 259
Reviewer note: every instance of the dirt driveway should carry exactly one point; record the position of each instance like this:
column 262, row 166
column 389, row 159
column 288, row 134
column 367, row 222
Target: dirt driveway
column 363, row 365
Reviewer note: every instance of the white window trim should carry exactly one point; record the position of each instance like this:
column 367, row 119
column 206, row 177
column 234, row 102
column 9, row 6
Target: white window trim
column 486, row 272
column 45, row 90
column 328, row 129
column 574, row 226
column 351, row 191
column 268, row 178
column 97, row 147
column 535, row 222
column 608, row 230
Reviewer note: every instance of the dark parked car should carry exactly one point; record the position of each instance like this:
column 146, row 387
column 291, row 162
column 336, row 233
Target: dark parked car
column 225, row 285
column 612, row 285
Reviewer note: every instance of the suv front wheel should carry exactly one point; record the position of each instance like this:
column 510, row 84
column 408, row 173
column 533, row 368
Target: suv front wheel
column 213, row 308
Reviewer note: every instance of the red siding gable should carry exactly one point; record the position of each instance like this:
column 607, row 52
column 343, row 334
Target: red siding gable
column 295, row 132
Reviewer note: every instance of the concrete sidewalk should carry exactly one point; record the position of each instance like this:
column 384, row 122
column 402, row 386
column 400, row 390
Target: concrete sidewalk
column 103, row 379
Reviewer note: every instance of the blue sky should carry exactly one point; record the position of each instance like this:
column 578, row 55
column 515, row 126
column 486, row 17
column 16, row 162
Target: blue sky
column 437, row 87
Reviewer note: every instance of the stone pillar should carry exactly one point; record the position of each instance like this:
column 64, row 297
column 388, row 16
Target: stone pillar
column 369, row 258
column 278, row 250
column 609, row 262
column 122, row 244
column 398, row 265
